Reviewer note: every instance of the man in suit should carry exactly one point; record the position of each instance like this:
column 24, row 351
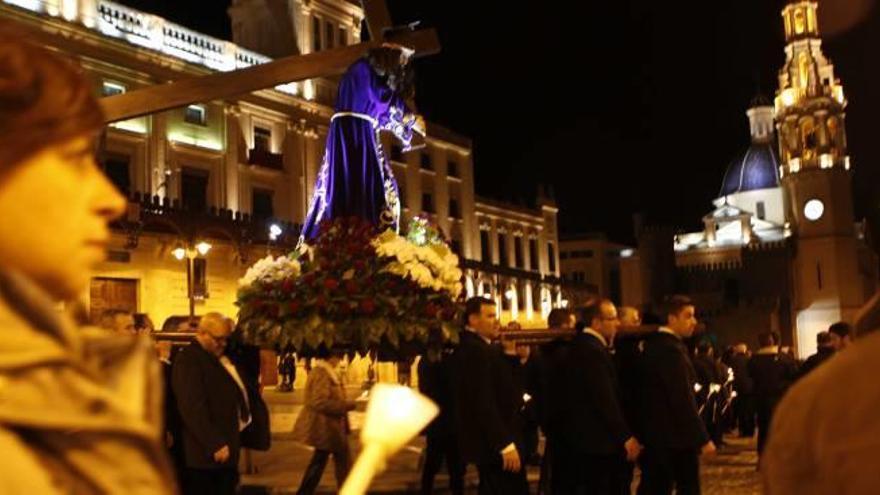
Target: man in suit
column 560, row 321
column 744, row 403
column 487, row 404
column 434, row 382
column 710, row 398
column 170, row 416
column 585, row 401
column 772, row 372
column 627, row 360
column 673, row 433
column 213, row 406
column 825, row 348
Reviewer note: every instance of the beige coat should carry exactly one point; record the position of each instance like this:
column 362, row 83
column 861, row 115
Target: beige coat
column 323, row 421
column 825, row 437
column 79, row 409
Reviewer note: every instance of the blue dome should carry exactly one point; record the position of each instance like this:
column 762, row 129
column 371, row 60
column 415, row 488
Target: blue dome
column 757, row 168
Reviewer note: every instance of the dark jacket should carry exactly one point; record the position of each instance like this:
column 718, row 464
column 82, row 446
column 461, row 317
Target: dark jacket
column 434, row 383
column 486, row 401
column 707, row 373
column 813, row 362
column 772, row 373
column 585, row 400
column 669, row 416
column 542, row 363
column 742, row 380
column 628, row 363
column 209, row 402
column 257, row 435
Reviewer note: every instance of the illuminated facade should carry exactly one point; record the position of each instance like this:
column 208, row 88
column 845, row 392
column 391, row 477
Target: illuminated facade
column 781, row 250
column 518, row 264
column 227, row 171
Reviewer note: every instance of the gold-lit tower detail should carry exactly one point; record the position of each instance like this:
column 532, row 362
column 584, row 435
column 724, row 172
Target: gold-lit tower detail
column 815, row 177
column 810, row 102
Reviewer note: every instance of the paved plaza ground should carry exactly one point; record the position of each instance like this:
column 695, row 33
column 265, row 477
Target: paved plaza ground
column 279, row 471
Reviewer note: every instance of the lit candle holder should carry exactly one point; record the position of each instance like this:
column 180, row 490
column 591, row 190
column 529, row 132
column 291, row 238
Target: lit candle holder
column 395, row 414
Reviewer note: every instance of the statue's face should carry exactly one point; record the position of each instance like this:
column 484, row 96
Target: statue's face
column 56, row 206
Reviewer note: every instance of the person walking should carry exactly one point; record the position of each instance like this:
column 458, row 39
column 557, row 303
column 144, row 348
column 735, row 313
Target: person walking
column 323, row 422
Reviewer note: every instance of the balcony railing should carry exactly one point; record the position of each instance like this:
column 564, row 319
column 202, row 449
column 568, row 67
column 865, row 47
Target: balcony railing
column 161, row 215
column 484, row 266
column 263, row 158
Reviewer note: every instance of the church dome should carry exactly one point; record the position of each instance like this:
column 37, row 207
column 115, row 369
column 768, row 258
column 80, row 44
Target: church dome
column 756, row 168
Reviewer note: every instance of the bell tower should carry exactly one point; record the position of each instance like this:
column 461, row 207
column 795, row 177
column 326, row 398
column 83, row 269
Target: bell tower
column 814, row 172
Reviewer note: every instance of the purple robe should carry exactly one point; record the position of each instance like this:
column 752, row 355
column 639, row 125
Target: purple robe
column 356, row 177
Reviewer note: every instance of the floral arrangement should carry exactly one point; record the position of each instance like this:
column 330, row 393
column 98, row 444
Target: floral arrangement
column 356, row 287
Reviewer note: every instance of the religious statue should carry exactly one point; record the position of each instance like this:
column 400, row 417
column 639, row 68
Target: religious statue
column 355, row 178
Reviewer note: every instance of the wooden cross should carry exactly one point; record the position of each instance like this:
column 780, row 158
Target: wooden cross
column 284, row 70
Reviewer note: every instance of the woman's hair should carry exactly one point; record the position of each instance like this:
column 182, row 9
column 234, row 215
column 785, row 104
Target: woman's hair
column 399, row 76
column 44, row 98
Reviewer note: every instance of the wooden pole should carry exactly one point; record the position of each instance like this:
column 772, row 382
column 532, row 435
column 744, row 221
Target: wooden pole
column 176, row 94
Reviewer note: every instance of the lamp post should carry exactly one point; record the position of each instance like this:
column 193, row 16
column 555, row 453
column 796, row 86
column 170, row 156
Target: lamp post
column 189, row 253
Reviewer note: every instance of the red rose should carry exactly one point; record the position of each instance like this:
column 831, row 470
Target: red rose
column 293, row 306
column 368, row 306
column 448, row 314
column 431, row 310
column 331, row 284
column 360, row 265
column 272, row 310
column 287, row 286
column 351, row 287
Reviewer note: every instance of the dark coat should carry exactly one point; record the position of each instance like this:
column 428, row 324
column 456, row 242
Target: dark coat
column 434, row 382
column 540, row 381
column 742, row 380
column 487, row 405
column 772, row 374
column 669, row 415
column 585, row 400
column 628, row 362
column 257, row 434
column 813, row 362
column 209, row 402
column 707, row 373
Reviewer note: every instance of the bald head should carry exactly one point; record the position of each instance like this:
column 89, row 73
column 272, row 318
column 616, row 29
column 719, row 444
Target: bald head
column 213, row 333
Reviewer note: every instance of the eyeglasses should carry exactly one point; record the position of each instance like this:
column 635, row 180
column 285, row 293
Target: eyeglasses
column 219, row 340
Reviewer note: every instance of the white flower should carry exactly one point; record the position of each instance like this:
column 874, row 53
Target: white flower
column 432, row 266
column 270, row 269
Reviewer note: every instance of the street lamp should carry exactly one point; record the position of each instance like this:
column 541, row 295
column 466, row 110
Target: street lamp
column 274, row 232
column 203, row 248
column 189, row 253
column 179, row 253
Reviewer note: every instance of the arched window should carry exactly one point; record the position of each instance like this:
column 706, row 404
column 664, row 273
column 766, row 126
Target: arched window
column 800, row 21
column 835, row 135
column 808, row 138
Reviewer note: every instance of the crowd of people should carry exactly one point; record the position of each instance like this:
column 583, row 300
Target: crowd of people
column 606, row 401
column 82, row 408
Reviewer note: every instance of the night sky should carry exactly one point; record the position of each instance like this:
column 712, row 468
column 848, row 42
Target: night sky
column 625, row 106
